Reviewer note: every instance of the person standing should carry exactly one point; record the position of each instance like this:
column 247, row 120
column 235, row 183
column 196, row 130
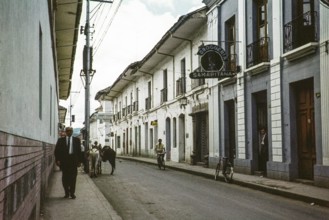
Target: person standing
column 263, row 150
column 68, row 158
column 83, row 157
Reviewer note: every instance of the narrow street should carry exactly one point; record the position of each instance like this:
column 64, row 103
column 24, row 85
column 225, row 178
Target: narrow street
column 140, row 191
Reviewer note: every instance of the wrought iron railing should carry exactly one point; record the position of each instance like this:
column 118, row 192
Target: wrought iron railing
column 257, row 52
column 180, row 86
column 300, row 31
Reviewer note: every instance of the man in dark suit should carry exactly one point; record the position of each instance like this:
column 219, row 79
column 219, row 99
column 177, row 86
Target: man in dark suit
column 68, row 158
column 263, row 150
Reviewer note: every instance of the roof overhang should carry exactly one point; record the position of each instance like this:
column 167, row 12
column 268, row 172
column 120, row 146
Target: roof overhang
column 62, row 114
column 67, row 20
column 109, row 93
column 183, row 30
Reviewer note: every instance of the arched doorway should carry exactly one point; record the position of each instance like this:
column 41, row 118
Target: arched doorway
column 181, row 138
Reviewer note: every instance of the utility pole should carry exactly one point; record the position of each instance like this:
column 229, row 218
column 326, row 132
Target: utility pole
column 87, row 69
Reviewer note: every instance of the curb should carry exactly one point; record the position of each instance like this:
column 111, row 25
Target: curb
column 259, row 187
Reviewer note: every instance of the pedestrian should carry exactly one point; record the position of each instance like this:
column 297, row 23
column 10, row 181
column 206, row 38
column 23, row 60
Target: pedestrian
column 68, row 158
column 263, row 150
column 83, row 157
column 160, row 149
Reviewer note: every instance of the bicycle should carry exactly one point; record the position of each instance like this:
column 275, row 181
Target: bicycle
column 227, row 169
column 161, row 161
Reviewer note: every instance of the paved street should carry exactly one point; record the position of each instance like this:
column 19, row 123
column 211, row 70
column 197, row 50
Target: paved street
column 142, row 191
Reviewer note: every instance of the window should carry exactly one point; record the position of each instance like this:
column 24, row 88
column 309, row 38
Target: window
column 230, row 28
column 164, row 91
column 181, row 82
column 262, row 18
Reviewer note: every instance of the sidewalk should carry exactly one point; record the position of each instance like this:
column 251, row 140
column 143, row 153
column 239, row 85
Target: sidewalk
column 89, row 204
column 307, row 193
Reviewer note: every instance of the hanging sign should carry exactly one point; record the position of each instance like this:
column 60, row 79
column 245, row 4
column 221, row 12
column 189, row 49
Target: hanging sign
column 212, row 60
column 154, row 123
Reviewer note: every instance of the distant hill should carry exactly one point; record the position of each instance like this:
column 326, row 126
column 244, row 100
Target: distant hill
column 76, row 132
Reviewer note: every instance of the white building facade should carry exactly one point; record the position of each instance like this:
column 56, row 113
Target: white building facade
column 277, row 85
column 36, row 60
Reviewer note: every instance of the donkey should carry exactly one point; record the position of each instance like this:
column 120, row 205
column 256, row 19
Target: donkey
column 107, row 153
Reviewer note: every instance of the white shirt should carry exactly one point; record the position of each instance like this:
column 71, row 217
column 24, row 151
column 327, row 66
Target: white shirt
column 67, row 141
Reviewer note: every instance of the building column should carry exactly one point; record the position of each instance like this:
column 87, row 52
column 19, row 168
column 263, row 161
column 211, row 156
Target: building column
column 275, row 80
column 324, row 66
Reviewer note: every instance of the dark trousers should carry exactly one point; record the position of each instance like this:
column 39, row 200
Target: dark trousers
column 69, row 178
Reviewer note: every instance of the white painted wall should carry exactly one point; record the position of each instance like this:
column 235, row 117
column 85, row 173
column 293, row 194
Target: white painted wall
column 21, row 23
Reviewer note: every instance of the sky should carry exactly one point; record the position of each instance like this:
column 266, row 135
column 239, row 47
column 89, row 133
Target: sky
column 124, row 32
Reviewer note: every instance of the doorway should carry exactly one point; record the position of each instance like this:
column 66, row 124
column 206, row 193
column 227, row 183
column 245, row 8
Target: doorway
column 201, row 144
column 181, row 139
column 229, row 120
column 168, row 139
column 260, row 131
column 304, row 96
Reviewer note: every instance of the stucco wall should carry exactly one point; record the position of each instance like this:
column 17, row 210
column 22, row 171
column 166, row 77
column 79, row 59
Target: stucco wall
column 26, row 29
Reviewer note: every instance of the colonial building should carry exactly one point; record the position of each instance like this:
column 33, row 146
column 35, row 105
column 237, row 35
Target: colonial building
column 273, row 58
column 153, row 97
column 100, row 123
column 37, row 44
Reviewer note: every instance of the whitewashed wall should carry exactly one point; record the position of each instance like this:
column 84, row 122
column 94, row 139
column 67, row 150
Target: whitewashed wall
column 21, row 23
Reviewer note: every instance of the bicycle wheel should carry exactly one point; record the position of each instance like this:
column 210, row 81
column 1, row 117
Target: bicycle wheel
column 217, row 171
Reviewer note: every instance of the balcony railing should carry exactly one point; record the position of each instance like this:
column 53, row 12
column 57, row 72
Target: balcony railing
column 301, row 31
column 180, row 86
column 257, row 52
column 164, row 96
column 198, row 82
column 148, row 103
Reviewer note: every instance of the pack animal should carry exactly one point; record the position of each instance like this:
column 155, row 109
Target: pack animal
column 108, row 154
column 93, row 156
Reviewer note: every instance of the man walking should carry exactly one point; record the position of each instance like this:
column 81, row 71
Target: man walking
column 68, row 158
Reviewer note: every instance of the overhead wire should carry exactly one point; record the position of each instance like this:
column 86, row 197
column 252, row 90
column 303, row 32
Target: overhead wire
column 107, row 27
column 104, row 19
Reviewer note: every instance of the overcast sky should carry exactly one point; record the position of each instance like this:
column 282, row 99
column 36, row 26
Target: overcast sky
column 134, row 30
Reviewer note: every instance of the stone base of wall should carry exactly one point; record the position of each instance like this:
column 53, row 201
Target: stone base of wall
column 213, row 162
column 243, row 166
column 278, row 170
column 25, row 166
column 321, row 176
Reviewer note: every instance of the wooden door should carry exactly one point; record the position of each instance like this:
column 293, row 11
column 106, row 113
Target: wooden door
column 305, row 129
